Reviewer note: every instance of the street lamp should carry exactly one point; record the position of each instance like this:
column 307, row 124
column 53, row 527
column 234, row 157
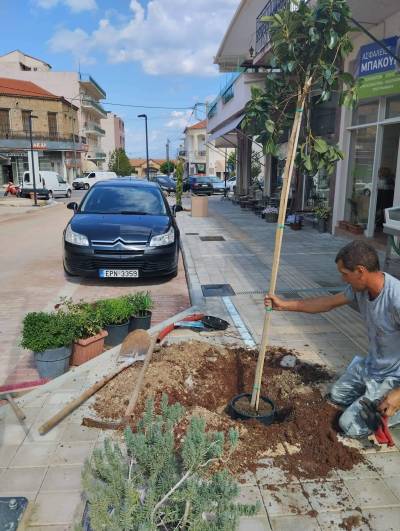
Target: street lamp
column 147, row 144
column 33, row 162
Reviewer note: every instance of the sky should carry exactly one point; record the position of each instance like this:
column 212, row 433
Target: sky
column 142, row 52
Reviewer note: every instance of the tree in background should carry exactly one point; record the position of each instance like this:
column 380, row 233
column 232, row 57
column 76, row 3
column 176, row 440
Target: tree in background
column 179, row 182
column 167, row 165
column 119, row 163
column 231, row 163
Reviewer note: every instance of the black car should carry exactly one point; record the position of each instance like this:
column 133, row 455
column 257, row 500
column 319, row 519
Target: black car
column 166, row 183
column 202, row 185
column 123, row 228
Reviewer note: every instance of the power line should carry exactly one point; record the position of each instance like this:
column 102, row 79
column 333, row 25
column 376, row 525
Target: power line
column 147, row 106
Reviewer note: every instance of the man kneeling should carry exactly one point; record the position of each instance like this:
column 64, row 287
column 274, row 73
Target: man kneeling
column 377, row 376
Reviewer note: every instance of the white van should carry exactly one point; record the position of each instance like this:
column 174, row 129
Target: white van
column 88, row 179
column 48, row 184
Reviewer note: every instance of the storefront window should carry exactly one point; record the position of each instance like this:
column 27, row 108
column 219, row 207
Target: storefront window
column 366, row 112
column 316, row 190
column 393, row 107
column 360, row 174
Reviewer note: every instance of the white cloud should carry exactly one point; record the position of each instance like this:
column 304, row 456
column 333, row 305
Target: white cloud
column 75, row 5
column 165, row 37
column 179, row 120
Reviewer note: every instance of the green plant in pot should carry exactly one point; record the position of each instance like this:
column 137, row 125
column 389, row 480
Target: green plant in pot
column 114, row 317
column 49, row 336
column 142, row 304
column 322, row 215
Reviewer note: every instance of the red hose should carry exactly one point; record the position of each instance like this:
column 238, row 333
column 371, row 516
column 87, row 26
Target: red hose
column 168, row 329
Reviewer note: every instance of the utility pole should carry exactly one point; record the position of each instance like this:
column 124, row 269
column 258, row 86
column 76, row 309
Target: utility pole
column 73, row 141
column 32, row 159
column 167, row 147
column 147, row 145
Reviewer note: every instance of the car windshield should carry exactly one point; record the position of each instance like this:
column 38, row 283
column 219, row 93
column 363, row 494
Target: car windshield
column 214, row 179
column 165, row 180
column 123, row 200
column 203, row 180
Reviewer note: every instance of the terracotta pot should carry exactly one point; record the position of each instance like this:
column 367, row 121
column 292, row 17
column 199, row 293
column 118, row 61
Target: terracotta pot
column 295, row 226
column 343, row 224
column 86, row 349
column 355, row 229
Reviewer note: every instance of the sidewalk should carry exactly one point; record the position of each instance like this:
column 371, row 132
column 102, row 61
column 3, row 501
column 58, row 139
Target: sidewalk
column 243, row 259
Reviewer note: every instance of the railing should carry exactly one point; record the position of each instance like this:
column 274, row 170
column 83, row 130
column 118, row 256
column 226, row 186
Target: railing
column 212, row 110
column 91, row 126
column 182, row 153
column 263, row 36
column 98, row 155
column 88, row 78
column 228, row 94
column 53, row 136
column 201, row 153
column 90, row 102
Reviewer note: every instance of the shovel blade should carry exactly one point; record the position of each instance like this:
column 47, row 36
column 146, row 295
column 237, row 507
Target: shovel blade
column 136, row 344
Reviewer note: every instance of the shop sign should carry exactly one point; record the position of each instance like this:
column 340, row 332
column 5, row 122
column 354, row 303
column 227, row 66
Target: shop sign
column 378, row 69
column 39, row 145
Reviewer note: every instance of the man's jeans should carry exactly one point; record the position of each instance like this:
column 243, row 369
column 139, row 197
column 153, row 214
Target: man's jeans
column 348, row 391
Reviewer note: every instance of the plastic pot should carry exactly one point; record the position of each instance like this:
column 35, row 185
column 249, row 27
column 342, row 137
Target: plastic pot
column 52, row 362
column 271, row 217
column 141, row 321
column 84, row 350
column 322, row 225
column 236, row 413
column 116, row 334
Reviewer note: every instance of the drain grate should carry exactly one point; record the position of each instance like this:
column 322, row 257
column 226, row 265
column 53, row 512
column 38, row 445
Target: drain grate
column 217, row 290
column 212, row 238
column 191, row 233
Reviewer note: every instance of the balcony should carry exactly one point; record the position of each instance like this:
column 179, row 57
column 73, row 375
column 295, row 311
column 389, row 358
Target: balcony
column 91, row 128
column 182, row 153
column 96, row 155
column 93, row 105
column 263, row 37
column 43, row 140
column 92, row 86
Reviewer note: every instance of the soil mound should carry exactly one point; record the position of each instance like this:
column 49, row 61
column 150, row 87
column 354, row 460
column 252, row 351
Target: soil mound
column 204, row 378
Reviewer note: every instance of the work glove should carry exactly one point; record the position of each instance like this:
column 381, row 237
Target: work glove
column 370, row 414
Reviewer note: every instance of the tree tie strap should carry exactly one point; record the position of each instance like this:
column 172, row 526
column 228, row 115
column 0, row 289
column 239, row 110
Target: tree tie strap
column 269, row 309
column 281, row 226
column 299, row 110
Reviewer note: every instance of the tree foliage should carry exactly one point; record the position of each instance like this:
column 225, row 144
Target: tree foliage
column 157, row 483
column 167, row 165
column 308, row 48
column 179, row 182
column 119, row 163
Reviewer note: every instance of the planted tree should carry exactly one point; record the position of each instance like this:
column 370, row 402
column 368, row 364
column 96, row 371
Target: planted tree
column 308, row 48
column 119, row 163
column 167, row 167
column 179, row 182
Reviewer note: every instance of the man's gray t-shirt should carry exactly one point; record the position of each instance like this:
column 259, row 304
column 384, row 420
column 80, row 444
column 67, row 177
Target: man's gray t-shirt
column 382, row 318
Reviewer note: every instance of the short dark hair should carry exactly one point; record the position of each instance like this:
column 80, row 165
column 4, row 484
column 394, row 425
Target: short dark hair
column 359, row 253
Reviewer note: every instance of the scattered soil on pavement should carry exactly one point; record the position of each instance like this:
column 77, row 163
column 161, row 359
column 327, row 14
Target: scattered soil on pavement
column 204, row 378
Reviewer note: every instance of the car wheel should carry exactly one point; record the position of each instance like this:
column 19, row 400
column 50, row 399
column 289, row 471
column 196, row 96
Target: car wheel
column 86, row 187
column 50, row 195
column 68, row 194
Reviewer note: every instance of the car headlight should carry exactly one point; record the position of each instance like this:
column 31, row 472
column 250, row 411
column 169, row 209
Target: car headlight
column 163, row 239
column 76, row 238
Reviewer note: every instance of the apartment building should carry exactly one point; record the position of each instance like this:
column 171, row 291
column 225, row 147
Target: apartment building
column 78, row 88
column 114, row 137
column 56, row 142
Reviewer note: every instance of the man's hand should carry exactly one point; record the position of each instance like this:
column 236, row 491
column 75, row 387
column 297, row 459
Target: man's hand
column 390, row 405
column 274, row 302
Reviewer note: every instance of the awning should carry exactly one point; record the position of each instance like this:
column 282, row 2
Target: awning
column 227, row 134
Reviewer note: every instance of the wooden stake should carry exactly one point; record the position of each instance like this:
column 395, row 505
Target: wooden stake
column 287, row 177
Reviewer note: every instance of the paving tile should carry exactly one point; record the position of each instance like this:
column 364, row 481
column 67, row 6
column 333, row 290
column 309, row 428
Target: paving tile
column 294, row 523
column 11, row 434
column 384, row 519
column 329, row 496
column 281, row 500
column 359, row 471
column 254, row 523
column 251, row 495
column 54, row 435
column 77, row 433
column 371, row 493
column 33, row 455
column 62, row 478
column 50, row 528
column 247, row 479
column 7, row 452
column 394, row 485
column 333, row 521
column 24, row 479
column 57, row 508
column 387, row 464
column 269, row 474
column 71, row 453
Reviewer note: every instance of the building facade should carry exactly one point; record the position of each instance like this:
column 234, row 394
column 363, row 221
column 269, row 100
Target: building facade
column 114, row 137
column 55, row 141
column 78, row 88
column 139, row 166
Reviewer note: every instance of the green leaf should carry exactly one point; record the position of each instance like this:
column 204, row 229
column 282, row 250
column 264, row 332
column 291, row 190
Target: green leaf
column 291, row 66
column 314, row 36
column 266, row 19
column 320, row 145
column 270, row 126
column 346, row 78
column 307, row 162
column 333, row 39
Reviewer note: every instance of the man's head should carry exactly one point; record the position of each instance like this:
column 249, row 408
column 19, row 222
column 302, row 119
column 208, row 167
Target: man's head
column 356, row 262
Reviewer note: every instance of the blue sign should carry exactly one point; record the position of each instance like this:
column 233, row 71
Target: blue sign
column 375, row 60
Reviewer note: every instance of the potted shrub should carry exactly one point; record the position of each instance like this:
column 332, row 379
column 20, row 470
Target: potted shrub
column 322, row 214
column 270, row 214
column 49, row 336
column 295, row 221
column 89, row 336
column 114, row 317
column 142, row 304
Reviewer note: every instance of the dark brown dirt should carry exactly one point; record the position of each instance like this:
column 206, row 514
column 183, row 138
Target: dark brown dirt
column 205, row 378
column 243, row 405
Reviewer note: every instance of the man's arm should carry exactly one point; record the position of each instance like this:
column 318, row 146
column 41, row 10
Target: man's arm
column 314, row 305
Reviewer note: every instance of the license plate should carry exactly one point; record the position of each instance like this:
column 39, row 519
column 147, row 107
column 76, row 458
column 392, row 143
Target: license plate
column 119, row 273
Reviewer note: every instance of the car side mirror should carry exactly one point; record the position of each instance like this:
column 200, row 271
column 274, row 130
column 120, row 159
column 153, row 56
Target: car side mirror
column 72, row 206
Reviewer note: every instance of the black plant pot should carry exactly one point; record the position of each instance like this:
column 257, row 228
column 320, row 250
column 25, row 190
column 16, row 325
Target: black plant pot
column 322, row 225
column 141, row 321
column 116, row 334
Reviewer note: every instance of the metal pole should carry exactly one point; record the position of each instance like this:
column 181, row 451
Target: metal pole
column 147, row 149
column 73, row 141
column 167, row 146
column 33, row 161
column 225, row 176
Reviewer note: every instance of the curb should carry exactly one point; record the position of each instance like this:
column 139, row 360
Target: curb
column 29, row 211
column 195, row 292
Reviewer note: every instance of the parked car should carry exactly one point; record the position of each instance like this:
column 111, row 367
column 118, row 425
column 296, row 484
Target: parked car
column 166, row 183
column 88, row 179
column 123, row 228
column 231, row 183
column 218, row 184
column 48, row 184
column 202, row 185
